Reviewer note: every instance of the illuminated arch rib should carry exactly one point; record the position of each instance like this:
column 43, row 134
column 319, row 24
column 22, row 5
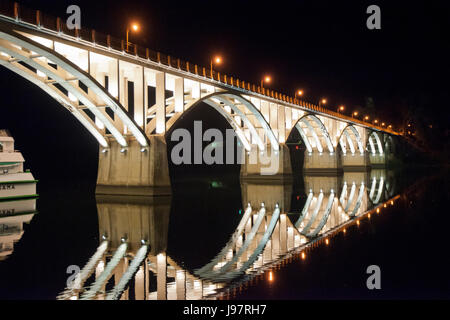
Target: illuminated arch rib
column 314, row 133
column 240, row 113
column 351, row 205
column 351, row 136
column 375, row 144
column 31, row 60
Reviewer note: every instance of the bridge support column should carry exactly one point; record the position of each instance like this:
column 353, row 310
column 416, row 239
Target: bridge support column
column 322, row 163
column 267, row 165
column 134, row 171
column 355, row 162
column 377, row 160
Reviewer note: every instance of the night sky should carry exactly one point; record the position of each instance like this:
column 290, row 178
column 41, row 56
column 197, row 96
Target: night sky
column 322, row 47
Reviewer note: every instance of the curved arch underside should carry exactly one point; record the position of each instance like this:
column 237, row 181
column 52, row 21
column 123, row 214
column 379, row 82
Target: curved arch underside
column 350, row 139
column 72, row 87
column 314, row 134
column 374, row 143
column 245, row 119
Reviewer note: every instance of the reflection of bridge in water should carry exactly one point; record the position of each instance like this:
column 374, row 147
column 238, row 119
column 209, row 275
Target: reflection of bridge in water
column 131, row 260
column 13, row 215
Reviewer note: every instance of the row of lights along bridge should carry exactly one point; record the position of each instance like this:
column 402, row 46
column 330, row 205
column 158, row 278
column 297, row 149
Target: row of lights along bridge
column 267, row 79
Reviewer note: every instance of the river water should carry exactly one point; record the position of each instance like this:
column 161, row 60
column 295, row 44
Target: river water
column 205, row 242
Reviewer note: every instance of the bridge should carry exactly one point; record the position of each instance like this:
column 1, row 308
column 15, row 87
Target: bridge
column 129, row 98
column 131, row 261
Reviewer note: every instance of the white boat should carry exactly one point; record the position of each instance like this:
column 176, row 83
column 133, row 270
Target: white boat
column 15, row 183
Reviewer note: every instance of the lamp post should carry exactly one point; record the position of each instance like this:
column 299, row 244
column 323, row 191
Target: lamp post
column 322, row 101
column 134, row 27
column 216, row 60
column 266, row 79
column 355, row 114
column 298, row 93
column 366, row 118
column 340, row 109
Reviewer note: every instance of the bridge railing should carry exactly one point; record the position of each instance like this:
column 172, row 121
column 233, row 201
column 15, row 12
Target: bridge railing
column 42, row 20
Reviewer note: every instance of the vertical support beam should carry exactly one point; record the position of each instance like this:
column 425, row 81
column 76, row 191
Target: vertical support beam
column 276, row 239
column 161, row 277
column 265, row 110
column 145, row 97
column 147, row 279
column 118, row 274
column 267, row 253
column 139, row 97
column 198, row 288
column 196, row 90
column 160, row 102
column 273, row 111
column 290, row 237
column 283, row 233
column 288, row 121
column 99, row 269
column 281, row 124
column 179, row 94
column 181, row 284
column 139, row 284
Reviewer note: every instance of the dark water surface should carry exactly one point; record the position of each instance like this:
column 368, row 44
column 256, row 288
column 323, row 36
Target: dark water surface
column 408, row 241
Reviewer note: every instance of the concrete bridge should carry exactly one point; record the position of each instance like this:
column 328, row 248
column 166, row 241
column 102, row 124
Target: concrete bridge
column 132, row 255
column 129, row 98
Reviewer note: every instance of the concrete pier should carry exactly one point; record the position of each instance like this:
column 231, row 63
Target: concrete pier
column 322, row 163
column 134, row 170
column 267, row 165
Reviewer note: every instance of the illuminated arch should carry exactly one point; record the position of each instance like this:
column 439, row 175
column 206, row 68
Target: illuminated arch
column 352, row 201
column 31, row 60
column 318, row 137
column 375, row 145
column 389, row 145
column 351, row 136
column 240, row 113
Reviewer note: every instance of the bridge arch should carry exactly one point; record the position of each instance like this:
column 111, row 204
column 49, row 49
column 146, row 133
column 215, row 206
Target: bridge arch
column 389, row 145
column 68, row 84
column 374, row 143
column 314, row 134
column 241, row 114
column 351, row 137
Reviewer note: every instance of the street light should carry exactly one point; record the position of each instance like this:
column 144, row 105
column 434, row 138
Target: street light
column 366, row 118
column 135, row 28
column 355, row 114
column 216, row 60
column 375, row 121
column 340, row 109
column 266, row 79
column 322, row 101
column 298, row 93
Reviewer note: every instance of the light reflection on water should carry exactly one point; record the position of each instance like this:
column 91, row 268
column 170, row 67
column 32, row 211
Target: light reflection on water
column 277, row 225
